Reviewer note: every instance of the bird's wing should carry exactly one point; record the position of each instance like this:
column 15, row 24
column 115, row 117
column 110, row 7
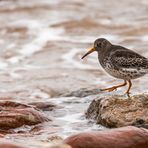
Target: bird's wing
column 129, row 59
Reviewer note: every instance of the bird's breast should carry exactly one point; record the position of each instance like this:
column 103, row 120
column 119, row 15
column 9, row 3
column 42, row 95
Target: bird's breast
column 120, row 72
column 124, row 73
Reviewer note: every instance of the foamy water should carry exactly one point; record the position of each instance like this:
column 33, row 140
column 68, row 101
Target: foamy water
column 69, row 119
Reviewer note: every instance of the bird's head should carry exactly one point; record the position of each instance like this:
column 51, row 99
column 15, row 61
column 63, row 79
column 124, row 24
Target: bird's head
column 100, row 45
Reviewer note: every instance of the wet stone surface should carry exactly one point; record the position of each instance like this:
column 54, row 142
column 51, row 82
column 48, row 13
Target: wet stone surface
column 84, row 92
column 44, row 106
column 14, row 115
column 118, row 137
column 118, row 111
column 10, row 145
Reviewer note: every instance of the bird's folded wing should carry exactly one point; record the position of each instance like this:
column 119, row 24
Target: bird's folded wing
column 129, row 60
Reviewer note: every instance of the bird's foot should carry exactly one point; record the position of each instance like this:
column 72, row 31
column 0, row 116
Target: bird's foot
column 109, row 89
column 128, row 94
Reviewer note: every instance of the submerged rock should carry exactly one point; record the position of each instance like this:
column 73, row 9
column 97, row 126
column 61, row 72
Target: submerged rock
column 44, row 106
column 83, row 92
column 117, row 111
column 125, row 137
column 13, row 115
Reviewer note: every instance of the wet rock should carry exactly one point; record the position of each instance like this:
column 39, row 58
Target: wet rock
column 83, row 92
column 1, row 135
column 55, row 139
column 44, row 106
column 118, row 111
column 125, row 137
column 9, row 145
column 13, row 115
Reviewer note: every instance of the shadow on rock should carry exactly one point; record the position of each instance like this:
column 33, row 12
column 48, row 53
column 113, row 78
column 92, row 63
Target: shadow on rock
column 118, row 111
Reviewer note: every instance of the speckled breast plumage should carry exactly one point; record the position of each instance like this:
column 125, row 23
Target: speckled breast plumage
column 125, row 67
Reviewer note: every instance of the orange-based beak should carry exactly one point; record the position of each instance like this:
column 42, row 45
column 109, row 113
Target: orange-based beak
column 89, row 52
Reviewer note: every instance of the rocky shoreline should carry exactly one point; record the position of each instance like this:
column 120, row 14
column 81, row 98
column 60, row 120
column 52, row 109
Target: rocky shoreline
column 125, row 137
column 111, row 111
column 118, row 111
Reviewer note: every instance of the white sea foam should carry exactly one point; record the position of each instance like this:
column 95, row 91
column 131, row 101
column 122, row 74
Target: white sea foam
column 72, row 118
column 39, row 94
column 3, row 65
column 42, row 34
column 105, row 21
column 70, row 61
column 15, row 75
column 14, row 59
column 144, row 38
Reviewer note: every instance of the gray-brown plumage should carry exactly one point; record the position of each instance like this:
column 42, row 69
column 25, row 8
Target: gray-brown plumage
column 119, row 62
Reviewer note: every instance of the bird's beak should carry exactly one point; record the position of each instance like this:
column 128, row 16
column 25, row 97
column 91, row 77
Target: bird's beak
column 89, row 52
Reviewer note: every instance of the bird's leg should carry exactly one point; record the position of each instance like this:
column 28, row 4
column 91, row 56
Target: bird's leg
column 129, row 87
column 115, row 87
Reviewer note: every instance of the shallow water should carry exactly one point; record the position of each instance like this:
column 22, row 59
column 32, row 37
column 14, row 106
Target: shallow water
column 41, row 43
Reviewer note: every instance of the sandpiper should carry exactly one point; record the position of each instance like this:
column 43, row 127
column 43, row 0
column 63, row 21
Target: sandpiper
column 119, row 62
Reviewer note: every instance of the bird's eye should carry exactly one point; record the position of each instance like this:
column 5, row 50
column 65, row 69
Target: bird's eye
column 98, row 44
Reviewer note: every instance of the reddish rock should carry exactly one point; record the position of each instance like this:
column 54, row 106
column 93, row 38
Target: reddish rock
column 125, row 137
column 9, row 145
column 14, row 115
column 1, row 136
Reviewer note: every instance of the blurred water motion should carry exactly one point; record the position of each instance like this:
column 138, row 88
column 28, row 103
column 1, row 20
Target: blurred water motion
column 41, row 43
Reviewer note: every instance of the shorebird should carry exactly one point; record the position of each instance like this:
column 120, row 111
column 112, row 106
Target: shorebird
column 119, row 62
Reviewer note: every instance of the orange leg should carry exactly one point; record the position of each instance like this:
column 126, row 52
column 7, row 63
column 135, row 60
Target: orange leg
column 115, row 87
column 129, row 87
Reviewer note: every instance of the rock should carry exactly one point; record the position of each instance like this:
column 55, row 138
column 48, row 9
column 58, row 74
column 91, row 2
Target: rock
column 9, row 145
column 55, row 139
column 83, row 92
column 44, row 106
column 125, row 137
column 117, row 111
column 1, row 135
column 13, row 115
